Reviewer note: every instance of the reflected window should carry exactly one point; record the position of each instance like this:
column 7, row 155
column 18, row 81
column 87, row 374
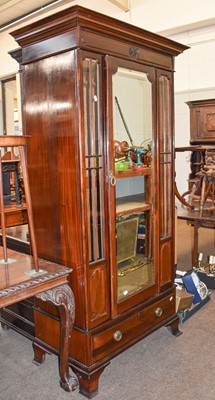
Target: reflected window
column 10, row 114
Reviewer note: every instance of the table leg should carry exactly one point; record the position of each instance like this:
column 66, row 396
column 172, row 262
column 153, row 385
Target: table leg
column 202, row 198
column 195, row 244
column 62, row 296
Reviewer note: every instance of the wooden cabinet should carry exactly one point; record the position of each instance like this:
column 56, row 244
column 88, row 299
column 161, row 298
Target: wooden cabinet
column 202, row 136
column 114, row 227
column 202, row 121
column 15, row 215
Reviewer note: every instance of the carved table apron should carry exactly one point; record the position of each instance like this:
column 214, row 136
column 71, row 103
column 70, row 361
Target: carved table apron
column 18, row 282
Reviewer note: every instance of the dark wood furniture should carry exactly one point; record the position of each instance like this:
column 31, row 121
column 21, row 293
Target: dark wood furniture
column 15, row 216
column 202, row 140
column 202, row 121
column 22, row 276
column 51, row 286
column 11, row 167
column 74, row 64
column 206, row 219
column 15, row 211
column 202, row 136
column 200, row 156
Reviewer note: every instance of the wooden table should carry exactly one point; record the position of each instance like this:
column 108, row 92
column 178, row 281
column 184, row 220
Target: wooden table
column 193, row 217
column 18, row 281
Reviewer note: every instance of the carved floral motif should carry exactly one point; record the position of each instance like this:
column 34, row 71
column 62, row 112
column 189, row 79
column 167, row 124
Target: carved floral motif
column 61, row 295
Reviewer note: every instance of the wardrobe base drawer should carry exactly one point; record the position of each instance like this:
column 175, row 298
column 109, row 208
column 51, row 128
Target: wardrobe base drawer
column 134, row 327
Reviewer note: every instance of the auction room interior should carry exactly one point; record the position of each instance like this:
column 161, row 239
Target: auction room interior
column 107, row 199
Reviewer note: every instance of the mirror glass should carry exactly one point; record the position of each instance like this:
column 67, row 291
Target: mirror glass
column 133, row 160
column 15, row 208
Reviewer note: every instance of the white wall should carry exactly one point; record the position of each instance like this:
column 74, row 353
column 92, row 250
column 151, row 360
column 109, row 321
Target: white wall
column 160, row 16
column 194, row 80
column 9, row 66
column 163, row 15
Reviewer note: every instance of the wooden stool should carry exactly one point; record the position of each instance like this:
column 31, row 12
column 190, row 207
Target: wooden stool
column 21, row 143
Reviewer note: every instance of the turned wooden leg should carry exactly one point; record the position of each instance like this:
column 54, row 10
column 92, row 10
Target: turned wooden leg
column 62, row 296
column 88, row 383
column 195, row 243
column 202, row 198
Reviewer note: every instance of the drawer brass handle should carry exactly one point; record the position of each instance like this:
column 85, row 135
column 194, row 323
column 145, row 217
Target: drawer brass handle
column 117, row 336
column 158, row 312
column 21, row 217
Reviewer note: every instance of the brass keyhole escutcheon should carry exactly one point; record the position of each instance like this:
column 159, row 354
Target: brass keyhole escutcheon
column 158, row 312
column 133, row 52
column 117, row 336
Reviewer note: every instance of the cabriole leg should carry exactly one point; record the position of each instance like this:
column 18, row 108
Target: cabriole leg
column 62, row 297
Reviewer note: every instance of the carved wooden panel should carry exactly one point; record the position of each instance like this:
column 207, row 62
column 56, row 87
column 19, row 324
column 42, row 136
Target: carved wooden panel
column 202, row 121
column 166, row 262
column 99, row 297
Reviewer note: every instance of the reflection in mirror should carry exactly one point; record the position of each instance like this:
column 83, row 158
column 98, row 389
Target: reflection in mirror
column 132, row 101
column 18, row 238
column 15, row 208
column 10, row 114
column 132, row 124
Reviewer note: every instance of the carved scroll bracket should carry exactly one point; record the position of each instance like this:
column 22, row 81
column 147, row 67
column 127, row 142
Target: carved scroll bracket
column 60, row 296
column 63, row 297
